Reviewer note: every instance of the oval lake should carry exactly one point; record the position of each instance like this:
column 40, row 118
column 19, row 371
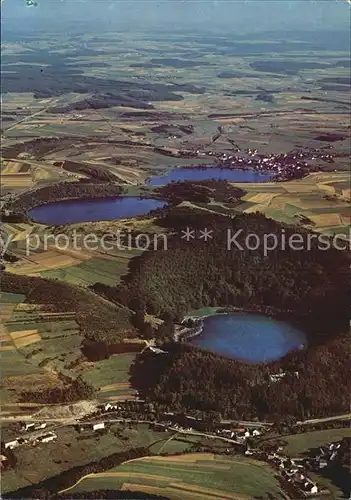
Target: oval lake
column 93, row 210
column 207, row 173
column 252, row 338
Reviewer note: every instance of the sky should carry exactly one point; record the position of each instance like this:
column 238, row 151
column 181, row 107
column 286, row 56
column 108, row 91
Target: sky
column 210, row 15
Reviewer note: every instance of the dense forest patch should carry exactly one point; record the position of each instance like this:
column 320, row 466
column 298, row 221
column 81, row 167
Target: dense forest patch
column 63, row 191
column 203, row 192
column 309, row 285
column 187, row 378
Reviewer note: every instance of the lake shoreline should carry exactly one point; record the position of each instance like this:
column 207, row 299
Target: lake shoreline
column 268, row 312
column 248, row 336
column 99, row 216
column 156, row 180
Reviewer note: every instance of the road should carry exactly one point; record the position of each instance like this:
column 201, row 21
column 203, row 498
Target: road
column 37, row 113
column 345, row 416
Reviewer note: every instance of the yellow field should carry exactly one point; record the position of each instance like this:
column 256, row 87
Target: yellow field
column 111, row 387
column 25, row 337
column 256, row 208
column 22, row 333
column 264, row 198
column 11, row 167
column 21, row 180
column 121, row 397
column 8, row 347
column 43, row 262
column 287, row 201
column 326, row 219
column 191, row 458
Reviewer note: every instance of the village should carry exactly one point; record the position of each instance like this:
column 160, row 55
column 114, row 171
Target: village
column 242, row 438
column 282, row 166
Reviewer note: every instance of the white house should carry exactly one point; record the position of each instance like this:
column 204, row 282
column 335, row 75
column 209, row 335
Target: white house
column 46, row 438
column 100, row 425
column 28, row 427
column 11, row 444
column 110, row 407
column 34, row 426
column 256, row 432
column 314, row 489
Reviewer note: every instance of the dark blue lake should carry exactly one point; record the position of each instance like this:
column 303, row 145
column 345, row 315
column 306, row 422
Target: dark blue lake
column 203, row 174
column 92, row 210
column 252, row 338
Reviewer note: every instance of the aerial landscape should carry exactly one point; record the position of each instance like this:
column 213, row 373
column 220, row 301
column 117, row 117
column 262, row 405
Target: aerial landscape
column 175, row 237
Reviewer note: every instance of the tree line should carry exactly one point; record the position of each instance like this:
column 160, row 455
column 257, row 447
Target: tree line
column 47, row 488
column 187, row 378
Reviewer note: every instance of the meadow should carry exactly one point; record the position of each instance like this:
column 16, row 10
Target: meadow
column 111, row 376
column 298, row 444
column 203, row 476
column 73, row 448
column 36, row 346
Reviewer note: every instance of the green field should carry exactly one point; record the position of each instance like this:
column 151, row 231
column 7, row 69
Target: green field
column 73, row 448
column 114, row 370
column 176, row 443
column 301, row 443
column 36, row 345
column 189, row 476
column 108, row 272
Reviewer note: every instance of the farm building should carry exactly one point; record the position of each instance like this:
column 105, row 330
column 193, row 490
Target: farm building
column 98, row 426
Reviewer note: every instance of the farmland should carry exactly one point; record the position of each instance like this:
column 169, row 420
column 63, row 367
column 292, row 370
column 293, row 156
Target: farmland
column 301, row 443
column 73, row 448
column 41, row 343
column 39, row 253
column 203, row 476
column 96, row 112
column 111, row 376
column 36, row 345
column 319, row 201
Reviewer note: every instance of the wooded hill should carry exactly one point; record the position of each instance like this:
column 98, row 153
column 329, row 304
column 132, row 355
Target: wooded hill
column 309, row 287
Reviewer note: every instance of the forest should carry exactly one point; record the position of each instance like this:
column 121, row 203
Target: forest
column 201, row 192
column 62, row 191
column 308, row 287
column 188, row 378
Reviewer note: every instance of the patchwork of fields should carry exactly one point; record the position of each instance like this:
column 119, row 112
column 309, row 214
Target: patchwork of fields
column 40, row 254
column 319, row 201
column 200, row 476
column 39, row 345
column 111, row 376
column 36, row 346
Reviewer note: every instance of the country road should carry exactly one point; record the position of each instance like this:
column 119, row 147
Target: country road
column 37, row 113
column 346, row 416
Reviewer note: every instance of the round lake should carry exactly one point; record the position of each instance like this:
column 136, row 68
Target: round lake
column 93, row 210
column 207, row 173
column 252, row 338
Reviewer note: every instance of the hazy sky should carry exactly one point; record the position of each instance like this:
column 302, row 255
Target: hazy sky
column 229, row 15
